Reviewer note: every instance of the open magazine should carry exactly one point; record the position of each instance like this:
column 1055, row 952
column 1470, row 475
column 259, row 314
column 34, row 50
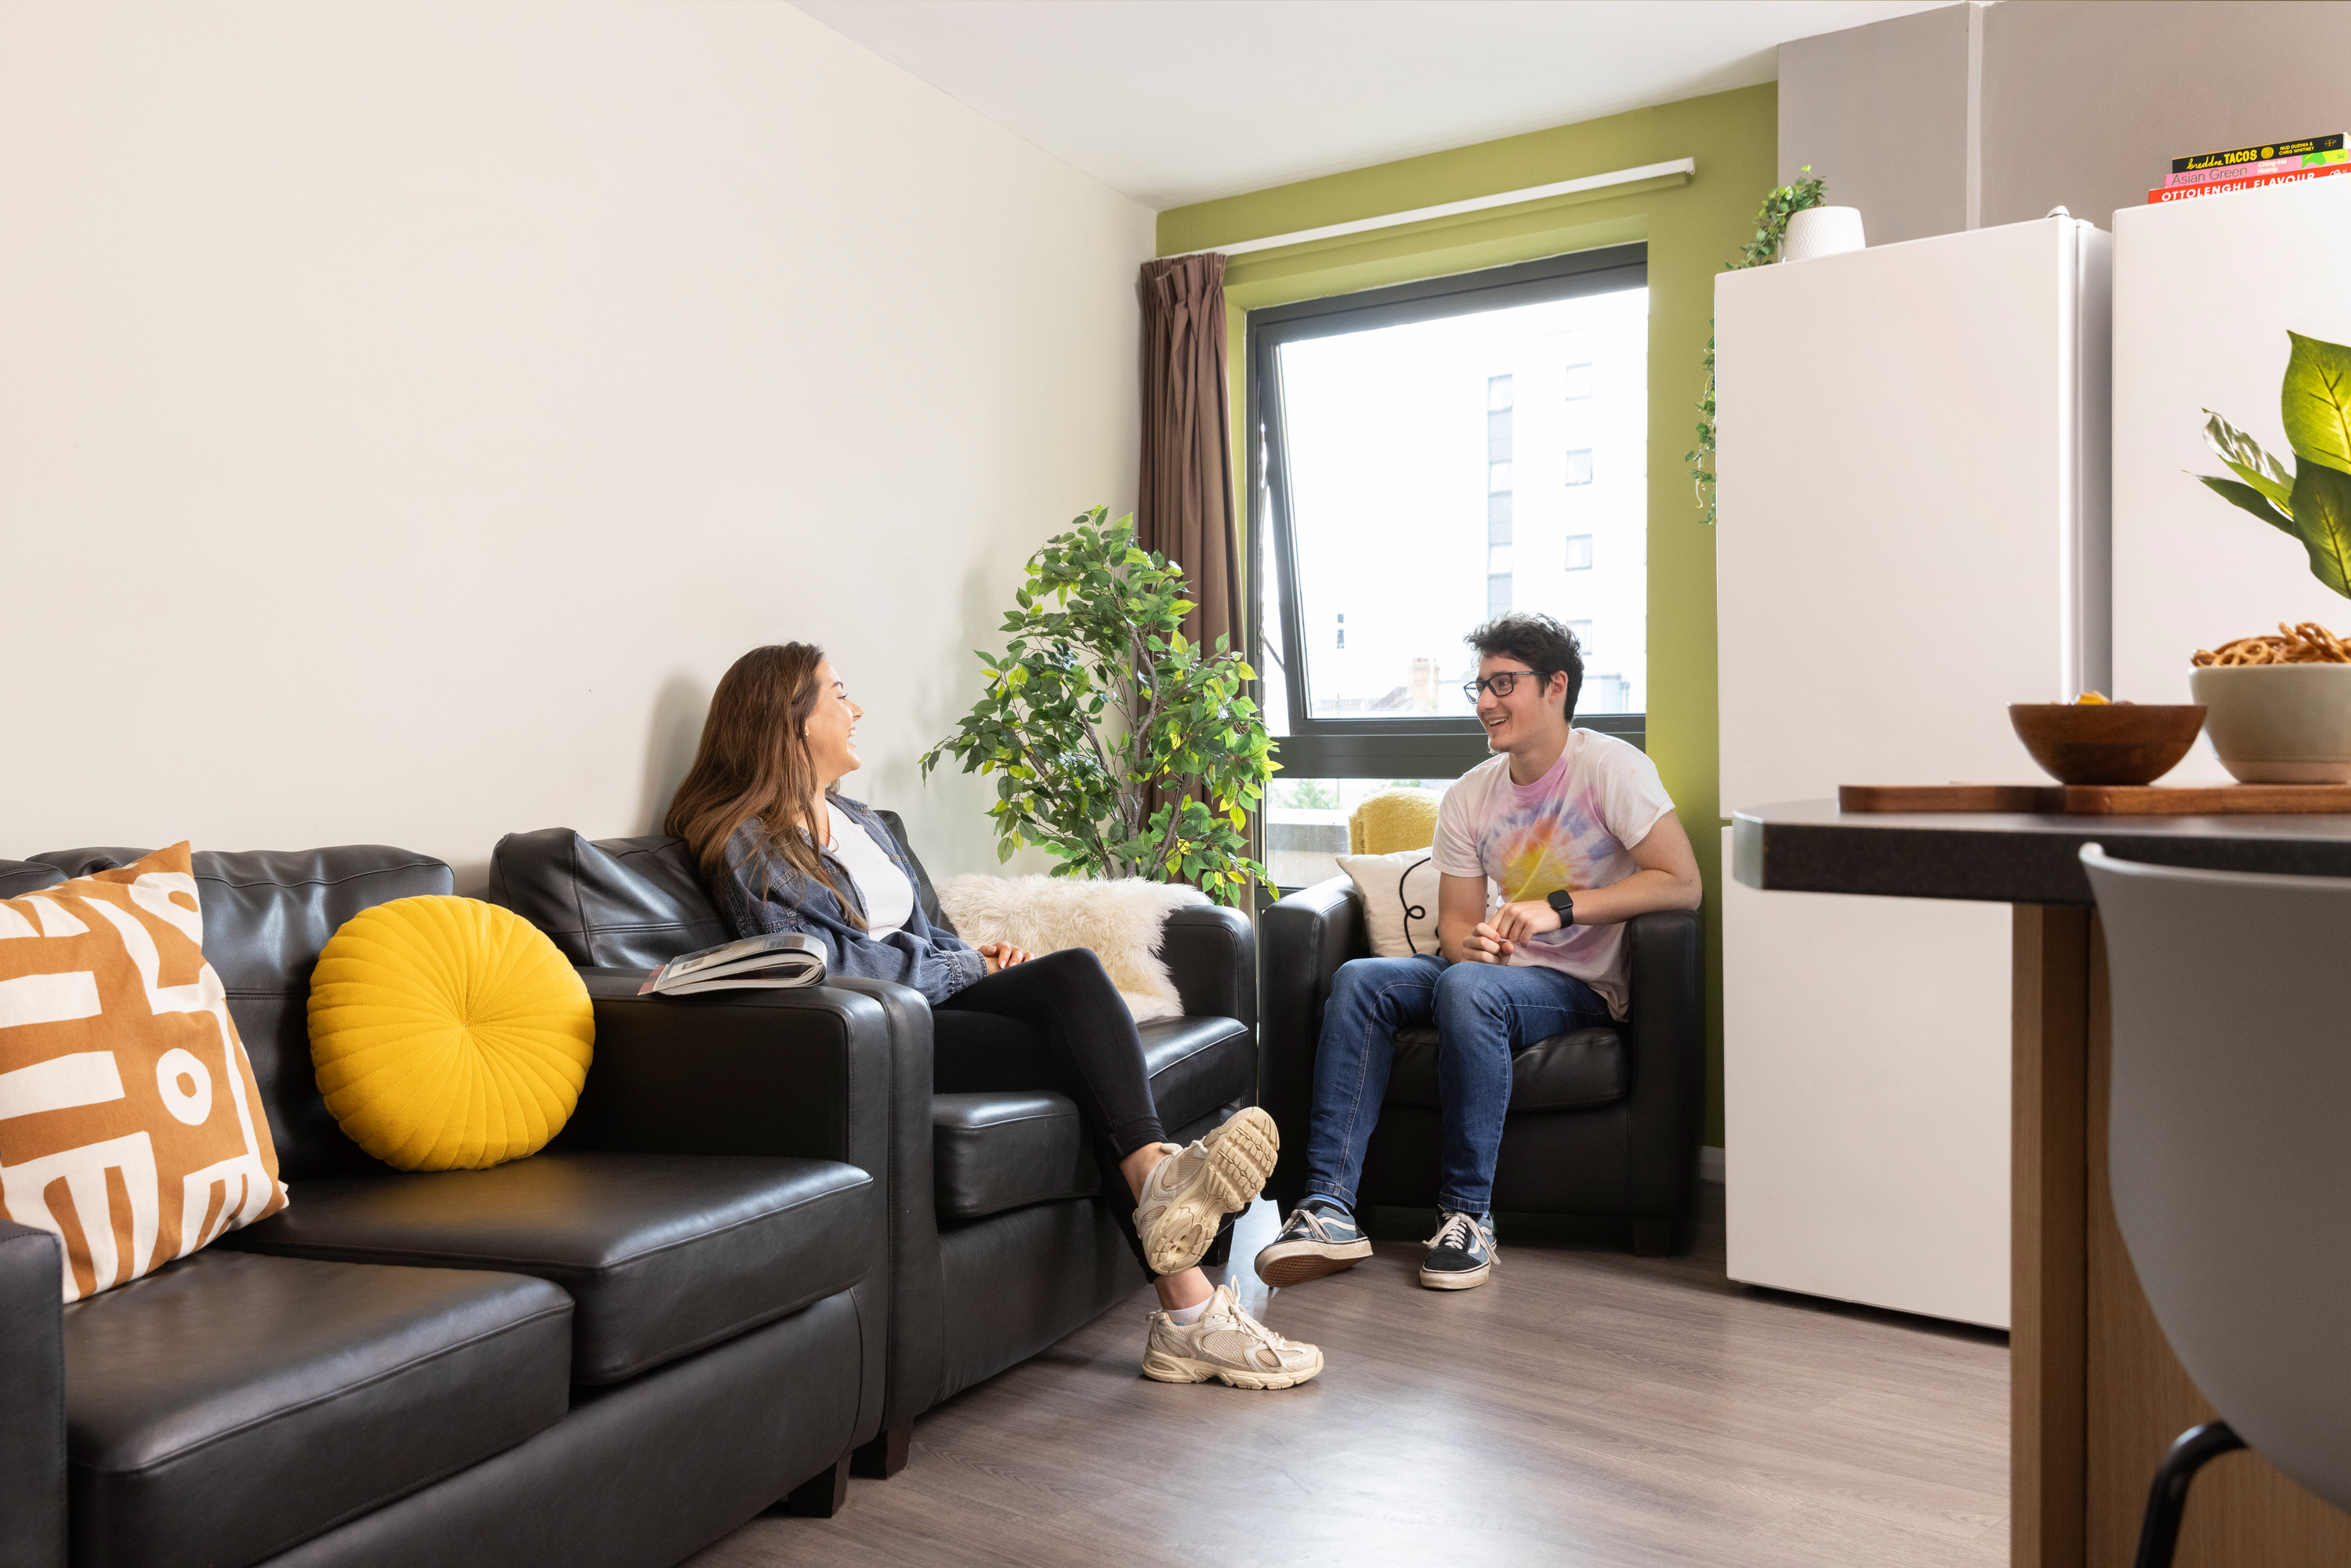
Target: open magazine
column 785, row 958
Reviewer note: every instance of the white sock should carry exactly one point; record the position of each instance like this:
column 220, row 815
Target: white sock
column 1190, row 1314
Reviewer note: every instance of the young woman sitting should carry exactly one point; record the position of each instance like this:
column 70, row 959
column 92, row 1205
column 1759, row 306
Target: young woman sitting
column 781, row 850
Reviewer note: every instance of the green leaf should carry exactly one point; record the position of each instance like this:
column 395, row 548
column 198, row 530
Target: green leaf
column 2317, row 402
column 2253, row 500
column 2245, row 458
column 2321, row 516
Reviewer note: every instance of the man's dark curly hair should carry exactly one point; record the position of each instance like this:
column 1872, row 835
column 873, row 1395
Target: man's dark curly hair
column 1541, row 642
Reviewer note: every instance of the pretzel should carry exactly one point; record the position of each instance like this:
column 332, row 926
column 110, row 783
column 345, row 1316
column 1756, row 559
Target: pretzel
column 2306, row 644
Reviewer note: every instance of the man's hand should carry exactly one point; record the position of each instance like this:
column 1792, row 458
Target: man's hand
column 1514, row 923
column 1494, row 939
column 1000, row 956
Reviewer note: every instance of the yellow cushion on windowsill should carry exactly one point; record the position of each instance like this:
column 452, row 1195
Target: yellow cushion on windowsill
column 448, row 1034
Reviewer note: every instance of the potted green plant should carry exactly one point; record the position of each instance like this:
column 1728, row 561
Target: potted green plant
column 1118, row 748
column 2279, row 708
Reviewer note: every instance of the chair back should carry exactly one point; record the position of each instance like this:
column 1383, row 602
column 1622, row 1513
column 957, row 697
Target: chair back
column 2232, row 1098
column 1402, row 818
column 628, row 904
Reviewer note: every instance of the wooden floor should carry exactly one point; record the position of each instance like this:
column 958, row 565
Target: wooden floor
column 1585, row 1406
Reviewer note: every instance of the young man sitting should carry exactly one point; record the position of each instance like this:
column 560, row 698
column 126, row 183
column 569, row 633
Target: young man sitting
column 1576, row 834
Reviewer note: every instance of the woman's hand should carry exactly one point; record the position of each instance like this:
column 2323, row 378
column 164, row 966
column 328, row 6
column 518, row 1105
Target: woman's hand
column 1000, row 956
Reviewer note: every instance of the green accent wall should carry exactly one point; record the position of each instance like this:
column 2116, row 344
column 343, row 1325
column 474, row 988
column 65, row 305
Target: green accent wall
column 1693, row 225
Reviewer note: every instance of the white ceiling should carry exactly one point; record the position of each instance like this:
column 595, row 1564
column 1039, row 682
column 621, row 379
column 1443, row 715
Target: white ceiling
column 1173, row 101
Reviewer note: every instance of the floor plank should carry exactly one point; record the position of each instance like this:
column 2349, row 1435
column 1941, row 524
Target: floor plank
column 1586, row 1408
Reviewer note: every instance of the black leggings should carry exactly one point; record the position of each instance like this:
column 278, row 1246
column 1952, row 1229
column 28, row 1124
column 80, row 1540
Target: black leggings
column 1080, row 1042
column 1055, row 1023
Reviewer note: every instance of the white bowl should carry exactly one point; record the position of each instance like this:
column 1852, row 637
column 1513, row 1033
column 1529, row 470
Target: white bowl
column 2278, row 724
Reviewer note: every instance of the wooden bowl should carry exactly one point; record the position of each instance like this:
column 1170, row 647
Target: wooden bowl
column 2107, row 743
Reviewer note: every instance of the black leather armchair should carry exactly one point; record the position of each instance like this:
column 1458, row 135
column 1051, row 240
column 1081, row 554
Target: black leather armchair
column 611, row 1352
column 1604, row 1122
column 994, row 1201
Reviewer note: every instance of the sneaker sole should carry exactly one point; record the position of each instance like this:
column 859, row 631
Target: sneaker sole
column 1297, row 1268
column 1453, row 1279
column 1241, row 1155
column 1161, row 1367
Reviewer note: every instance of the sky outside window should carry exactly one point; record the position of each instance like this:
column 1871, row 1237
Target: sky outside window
column 1425, row 466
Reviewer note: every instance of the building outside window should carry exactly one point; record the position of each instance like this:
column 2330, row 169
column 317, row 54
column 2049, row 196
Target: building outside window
column 1386, row 430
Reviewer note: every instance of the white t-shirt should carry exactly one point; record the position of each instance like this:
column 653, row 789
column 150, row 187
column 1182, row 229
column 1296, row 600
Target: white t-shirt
column 1571, row 828
column 888, row 897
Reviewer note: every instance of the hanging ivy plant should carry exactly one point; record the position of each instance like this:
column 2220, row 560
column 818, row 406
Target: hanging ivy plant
column 1771, row 228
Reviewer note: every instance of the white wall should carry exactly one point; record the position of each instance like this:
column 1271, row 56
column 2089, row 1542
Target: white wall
column 408, row 409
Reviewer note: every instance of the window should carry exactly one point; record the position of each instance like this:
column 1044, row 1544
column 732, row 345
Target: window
column 1343, row 630
column 1385, row 429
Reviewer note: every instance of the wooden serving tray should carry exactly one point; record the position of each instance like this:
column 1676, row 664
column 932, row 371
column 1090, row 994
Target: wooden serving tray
column 2098, row 800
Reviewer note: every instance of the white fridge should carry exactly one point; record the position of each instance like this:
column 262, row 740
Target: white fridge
column 1913, row 534
column 2205, row 293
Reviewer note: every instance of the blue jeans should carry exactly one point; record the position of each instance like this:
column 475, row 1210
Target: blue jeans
column 1483, row 1013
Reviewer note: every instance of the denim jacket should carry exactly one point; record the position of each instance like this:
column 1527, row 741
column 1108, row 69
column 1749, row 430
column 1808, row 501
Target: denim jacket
column 760, row 893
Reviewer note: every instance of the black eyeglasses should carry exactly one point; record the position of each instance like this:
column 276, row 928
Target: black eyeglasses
column 1502, row 683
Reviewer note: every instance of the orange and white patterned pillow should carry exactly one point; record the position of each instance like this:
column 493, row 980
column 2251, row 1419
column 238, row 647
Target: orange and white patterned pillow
column 130, row 1122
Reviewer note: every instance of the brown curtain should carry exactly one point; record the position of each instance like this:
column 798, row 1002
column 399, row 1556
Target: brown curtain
column 1185, row 508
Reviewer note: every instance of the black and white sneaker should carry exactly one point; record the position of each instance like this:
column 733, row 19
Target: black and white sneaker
column 1320, row 1237
column 1461, row 1253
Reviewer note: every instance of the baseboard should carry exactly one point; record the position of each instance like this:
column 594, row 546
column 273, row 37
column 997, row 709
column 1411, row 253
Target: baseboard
column 1709, row 1164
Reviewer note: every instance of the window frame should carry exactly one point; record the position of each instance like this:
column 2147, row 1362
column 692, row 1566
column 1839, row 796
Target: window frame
column 1415, row 747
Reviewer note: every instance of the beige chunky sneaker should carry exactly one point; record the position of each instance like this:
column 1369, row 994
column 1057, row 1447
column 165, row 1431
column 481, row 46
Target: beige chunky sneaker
column 1228, row 1344
column 1190, row 1192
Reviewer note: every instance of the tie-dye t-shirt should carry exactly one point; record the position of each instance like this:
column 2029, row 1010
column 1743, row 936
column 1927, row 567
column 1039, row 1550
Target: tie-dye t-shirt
column 1574, row 828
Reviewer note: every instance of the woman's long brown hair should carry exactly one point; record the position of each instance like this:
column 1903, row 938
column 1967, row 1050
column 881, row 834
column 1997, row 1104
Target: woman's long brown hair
column 753, row 761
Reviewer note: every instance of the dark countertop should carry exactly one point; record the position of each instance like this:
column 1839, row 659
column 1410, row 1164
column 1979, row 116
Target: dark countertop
column 1810, row 846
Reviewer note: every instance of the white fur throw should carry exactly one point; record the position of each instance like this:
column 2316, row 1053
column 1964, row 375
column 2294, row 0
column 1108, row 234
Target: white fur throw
column 1123, row 921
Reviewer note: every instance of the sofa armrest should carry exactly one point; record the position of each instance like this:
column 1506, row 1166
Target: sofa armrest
column 803, row 1072
column 1668, row 1035
column 838, row 1071
column 1306, row 937
column 32, row 1400
column 1211, row 955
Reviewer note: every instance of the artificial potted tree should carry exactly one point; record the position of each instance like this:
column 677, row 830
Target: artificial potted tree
column 1118, row 748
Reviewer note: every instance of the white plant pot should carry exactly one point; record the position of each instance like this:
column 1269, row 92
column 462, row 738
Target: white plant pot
column 2278, row 724
column 1822, row 231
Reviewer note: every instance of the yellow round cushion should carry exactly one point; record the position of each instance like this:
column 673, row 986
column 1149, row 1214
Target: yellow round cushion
column 448, row 1034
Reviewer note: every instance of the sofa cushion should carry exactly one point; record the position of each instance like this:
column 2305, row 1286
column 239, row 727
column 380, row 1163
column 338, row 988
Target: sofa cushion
column 122, row 1073
column 1577, row 1071
column 996, row 1151
column 663, row 1253
column 1197, row 1064
column 222, row 1408
column 266, row 916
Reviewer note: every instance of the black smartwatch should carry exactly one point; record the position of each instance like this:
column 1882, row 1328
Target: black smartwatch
column 1564, row 906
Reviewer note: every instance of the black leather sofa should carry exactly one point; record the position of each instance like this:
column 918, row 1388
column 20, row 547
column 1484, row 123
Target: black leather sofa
column 611, row 1353
column 1604, row 1122
column 997, row 1200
